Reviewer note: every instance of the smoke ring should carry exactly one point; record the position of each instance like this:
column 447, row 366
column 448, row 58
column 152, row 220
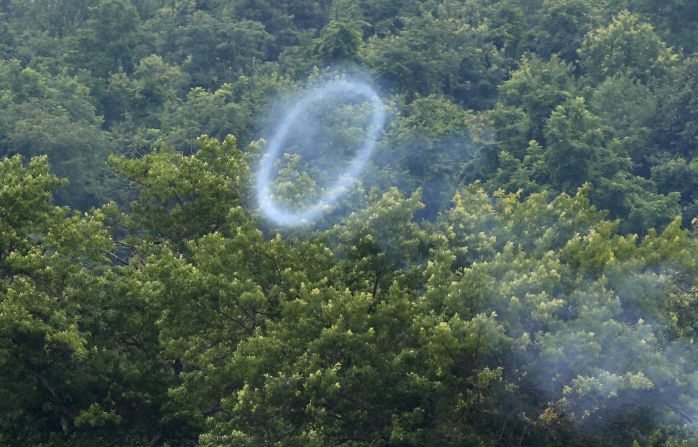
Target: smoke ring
column 285, row 217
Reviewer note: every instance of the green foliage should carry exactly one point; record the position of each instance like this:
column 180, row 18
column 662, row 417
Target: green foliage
column 575, row 141
column 674, row 19
column 636, row 199
column 628, row 107
column 517, row 267
column 53, row 115
column 431, row 54
column 230, row 109
column 106, row 44
column 527, row 99
column 562, row 27
column 678, row 112
column 73, row 371
column 339, row 41
column 193, row 326
column 441, row 131
column 144, row 96
column 626, row 45
column 184, row 197
column 217, row 51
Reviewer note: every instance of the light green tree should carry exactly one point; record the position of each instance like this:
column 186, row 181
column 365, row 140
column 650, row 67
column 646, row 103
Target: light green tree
column 626, row 45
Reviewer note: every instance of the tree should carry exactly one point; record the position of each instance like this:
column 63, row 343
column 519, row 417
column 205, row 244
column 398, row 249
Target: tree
column 508, row 28
column 106, row 43
column 78, row 357
column 384, row 16
column 144, row 96
column 182, row 197
column 188, row 320
column 677, row 127
column 216, row 51
column 562, row 26
column 629, row 108
column 679, row 175
column 339, row 42
column 552, row 302
column 575, row 143
column 628, row 46
column 54, row 115
column 673, row 20
column 458, row 60
column 431, row 147
column 637, row 201
column 231, row 109
column 527, row 99
column 275, row 18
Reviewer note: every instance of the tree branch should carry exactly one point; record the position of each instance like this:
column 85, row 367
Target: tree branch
column 65, row 409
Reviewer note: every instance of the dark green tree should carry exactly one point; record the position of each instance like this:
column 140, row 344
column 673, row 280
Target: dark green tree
column 339, row 42
column 528, row 98
column 627, row 45
column 439, row 55
column 215, row 51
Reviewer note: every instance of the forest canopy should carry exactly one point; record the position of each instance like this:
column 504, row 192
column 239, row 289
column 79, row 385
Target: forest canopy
column 517, row 265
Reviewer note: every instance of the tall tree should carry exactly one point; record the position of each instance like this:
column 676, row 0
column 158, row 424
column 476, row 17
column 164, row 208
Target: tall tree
column 626, row 45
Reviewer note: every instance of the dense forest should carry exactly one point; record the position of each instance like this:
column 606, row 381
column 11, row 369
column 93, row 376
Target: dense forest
column 517, row 265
